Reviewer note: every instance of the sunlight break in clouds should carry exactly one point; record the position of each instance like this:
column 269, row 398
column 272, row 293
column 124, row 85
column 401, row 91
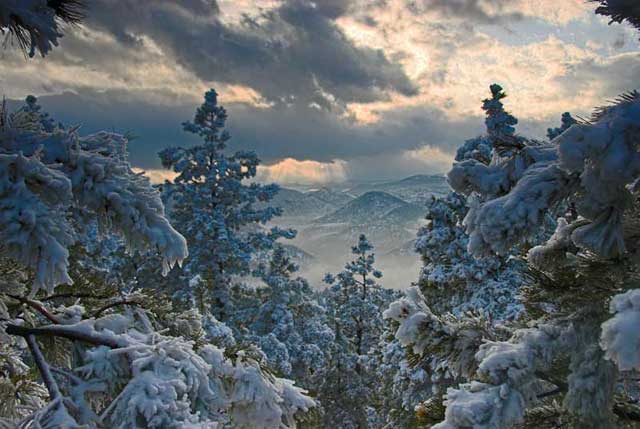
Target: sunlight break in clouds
column 288, row 171
column 292, row 171
column 433, row 158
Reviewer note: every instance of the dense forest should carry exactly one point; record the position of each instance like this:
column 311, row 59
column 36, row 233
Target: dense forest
column 130, row 305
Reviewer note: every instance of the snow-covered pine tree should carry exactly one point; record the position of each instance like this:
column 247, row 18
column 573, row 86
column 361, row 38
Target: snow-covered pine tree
column 500, row 124
column 282, row 315
column 95, row 354
column 467, row 297
column 54, row 182
column 217, row 208
column 454, row 281
column 569, row 365
column 501, row 155
column 36, row 24
column 565, row 123
column 404, row 383
column 354, row 302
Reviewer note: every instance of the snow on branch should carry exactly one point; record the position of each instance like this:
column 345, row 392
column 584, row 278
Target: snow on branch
column 159, row 381
column 590, row 164
column 35, row 24
column 49, row 177
column 620, row 336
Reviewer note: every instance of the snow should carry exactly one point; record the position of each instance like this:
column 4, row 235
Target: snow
column 620, row 338
column 547, row 254
column 47, row 176
column 590, row 164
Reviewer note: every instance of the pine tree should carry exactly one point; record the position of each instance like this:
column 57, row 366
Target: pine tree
column 500, row 123
column 566, row 365
column 354, row 302
column 284, row 318
column 218, row 211
column 451, row 279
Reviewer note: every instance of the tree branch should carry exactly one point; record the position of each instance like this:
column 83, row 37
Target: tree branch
column 36, row 306
column 43, row 368
column 74, row 295
column 550, row 393
column 64, row 331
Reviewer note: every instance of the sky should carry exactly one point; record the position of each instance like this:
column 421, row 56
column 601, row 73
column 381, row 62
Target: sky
column 330, row 90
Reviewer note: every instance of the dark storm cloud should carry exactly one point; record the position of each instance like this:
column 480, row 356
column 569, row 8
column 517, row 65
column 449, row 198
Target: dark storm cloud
column 475, row 11
column 293, row 54
column 273, row 133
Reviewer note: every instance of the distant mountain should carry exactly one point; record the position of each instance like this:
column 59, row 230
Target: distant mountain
column 405, row 214
column 418, row 180
column 367, row 208
column 414, row 189
column 299, row 204
column 331, row 240
column 329, row 196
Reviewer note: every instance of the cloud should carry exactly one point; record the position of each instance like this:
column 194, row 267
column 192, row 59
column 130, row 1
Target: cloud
column 593, row 74
column 290, row 54
column 477, row 11
column 423, row 160
column 376, row 87
column 275, row 134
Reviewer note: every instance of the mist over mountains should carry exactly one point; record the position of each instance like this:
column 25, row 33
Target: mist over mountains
column 330, row 219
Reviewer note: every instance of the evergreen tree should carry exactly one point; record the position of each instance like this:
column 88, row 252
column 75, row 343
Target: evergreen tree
column 566, row 122
column 218, row 211
column 465, row 295
column 354, row 302
column 500, row 123
column 284, row 318
column 567, row 365
column 451, row 279
column 404, row 382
